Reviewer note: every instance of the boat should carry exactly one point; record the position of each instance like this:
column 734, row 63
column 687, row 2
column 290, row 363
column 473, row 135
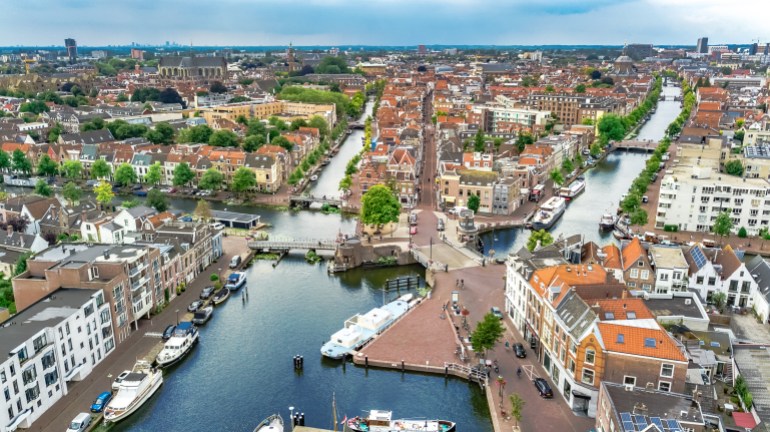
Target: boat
column 607, row 222
column 236, row 281
column 274, row 423
column 360, row 329
column 325, row 162
column 202, row 316
column 184, row 339
column 135, row 389
column 618, row 234
column 573, row 189
column 381, row 421
column 549, row 213
column 221, row 296
column 313, row 178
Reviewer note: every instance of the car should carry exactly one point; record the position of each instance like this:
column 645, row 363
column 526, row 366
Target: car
column 219, row 226
column 518, row 349
column 645, row 199
column 543, row 388
column 80, row 423
column 119, row 379
column 496, row 312
column 166, row 190
column 194, row 306
column 207, row 292
column 235, row 261
column 136, row 187
column 441, row 225
column 412, row 230
column 169, row 331
column 101, row 402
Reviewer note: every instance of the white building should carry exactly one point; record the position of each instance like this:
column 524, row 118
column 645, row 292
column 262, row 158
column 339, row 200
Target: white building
column 760, row 271
column 504, row 113
column 704, row 277
column 53, row 342
column 671, row 269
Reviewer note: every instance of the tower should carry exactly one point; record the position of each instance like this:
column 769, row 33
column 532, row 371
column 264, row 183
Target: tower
column 290, row 60
column 72, row 49
column 703, row 45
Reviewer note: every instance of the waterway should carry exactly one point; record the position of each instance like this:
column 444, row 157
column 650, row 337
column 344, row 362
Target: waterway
column 605, row 183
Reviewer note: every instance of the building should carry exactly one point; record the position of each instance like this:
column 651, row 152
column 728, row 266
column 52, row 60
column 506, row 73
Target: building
column 572, row 109
column 637, row 270
column 72, row 49
column 671, row 269
column 702, row 47
column 286, row 111
column 639, row 51
column 137, row 54
column 193, row 68
column 633, row 409
column 54, row 341
column 504, row 116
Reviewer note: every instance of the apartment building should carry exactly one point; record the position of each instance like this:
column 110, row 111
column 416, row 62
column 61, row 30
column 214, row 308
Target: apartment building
column 505, row 116
column 572, row 109
column 54, row 341
column 671, row 269
column 288, row 111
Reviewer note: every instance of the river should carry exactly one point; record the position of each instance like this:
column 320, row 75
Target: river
column 605, row 183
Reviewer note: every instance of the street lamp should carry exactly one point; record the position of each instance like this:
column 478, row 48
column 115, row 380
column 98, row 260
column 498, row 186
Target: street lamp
column 109, row 380
column 291, row 409
column 177, row 317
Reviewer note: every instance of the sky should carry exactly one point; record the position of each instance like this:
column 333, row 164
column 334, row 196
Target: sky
column 382, row 22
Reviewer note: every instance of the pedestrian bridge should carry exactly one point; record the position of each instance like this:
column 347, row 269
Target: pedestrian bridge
column 286, row 245
column 636, row 145
column 308, row 200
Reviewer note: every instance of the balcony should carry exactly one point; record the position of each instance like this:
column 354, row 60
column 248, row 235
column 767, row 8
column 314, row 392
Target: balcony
column 139, row 284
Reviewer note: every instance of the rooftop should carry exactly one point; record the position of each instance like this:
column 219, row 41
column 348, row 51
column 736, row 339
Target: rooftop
column 653, row 404
column 668, row 257
column 754, row 365
column 676, row 306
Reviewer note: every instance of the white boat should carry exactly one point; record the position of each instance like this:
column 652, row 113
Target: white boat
column 179, row 344
column 360, row 329
column 135, row 389
column 573, row 189
column 381, row 421
column 274, row 423
column 221, row 296
column 202, row 316
column 549, row 213
column 236, row 281
column 313, row 178
column 607, row 222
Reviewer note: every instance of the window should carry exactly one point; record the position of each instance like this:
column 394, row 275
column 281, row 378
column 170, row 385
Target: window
column 712, row 281
column 664, row 386
column 634, row 273
column 590, row 356
column 629, row 380
column 51, row 377
column 7, row 394
column 32, row 393
column 29, row 375
column 667, row 370
column 2, row 377
column 649, row 343
column 39, row 342
column 699, row 280
column 22, row 354
column 645, row 274
column 588, row 376
column 621, row 338
column 572, row 366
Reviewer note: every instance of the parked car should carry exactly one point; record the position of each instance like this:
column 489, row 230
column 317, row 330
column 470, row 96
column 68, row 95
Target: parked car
column 169, row 331
column 119, row 379
column 140, row 192
column 194, row 306
column 207, row 292
column 101, row 402
column 441, row 225
column 496, row 312
column 543, row 388
column 136, row 187
column 235, row 261
column 80, row 423
column 645, row 199
column 518, row 349
column 218, row 226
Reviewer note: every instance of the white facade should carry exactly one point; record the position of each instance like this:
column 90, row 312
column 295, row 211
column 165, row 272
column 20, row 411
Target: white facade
column 64, row 337
column 671, row 269
column 705, row 281
column 516, row 289
column 740, row 288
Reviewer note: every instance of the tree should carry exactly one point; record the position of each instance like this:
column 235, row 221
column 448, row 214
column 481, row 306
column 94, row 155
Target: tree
column 580, row 88
column 212, row 179
column 332, row 65
column 154, row 174
column 19, row 223
column 104, row 194
column 639, row 217
column 157, row 200
column 630, row 203
column 217, row 87
column 734, row 167
column 162, row 134
column 55, row 132
column 742, row 233
column 20, row 162
column 5, row 160
column 283, row 142
column 478, row 141
column 121, row 97
column 169, row 95
column 223, row 138
column 244, row 179
column 47, row 167
column 130, row 203
column 596, row 74
column 100, row 169
column 538, row 239
column 21, row 263
column 195, row 134
column 253, row 142
column 523, row 140
column 556, row 176
column 72, row 169
column 42, row 188
column 567, row 166
column 739, row 135
column 35, row 107
column 203, row 210
column 611, row 127
column 474, row 202
column 125, row 175
column 720, row 299
column 95, row 124
column 549, row 89
column 319, row 123
column 487, row 333
column 722, row 225
column 183, row 174
column 297, row 123
column 379, row 206
column 517, row 407
column 72, row 192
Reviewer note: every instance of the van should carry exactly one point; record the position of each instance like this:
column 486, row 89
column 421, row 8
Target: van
column 235, row 261
column 413, row 218
column 80, row 423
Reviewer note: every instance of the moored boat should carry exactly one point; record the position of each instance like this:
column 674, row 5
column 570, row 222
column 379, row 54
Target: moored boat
column 221, row 296
column 573, row 189
column 381, row 421
column 184, row 339
column 549, row 213
column 607, row 222
column 236, row 281
column 135, row 389
column 313, row 178
column 202, row 316
column 274, row 423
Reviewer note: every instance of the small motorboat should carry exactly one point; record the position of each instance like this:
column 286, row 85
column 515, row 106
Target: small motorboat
column 202, row 316
column 221, row 296
column 236, row 281
column 313, row 178
column 274, row 423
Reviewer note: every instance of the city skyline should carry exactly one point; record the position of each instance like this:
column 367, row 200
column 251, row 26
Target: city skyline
column 383, row 22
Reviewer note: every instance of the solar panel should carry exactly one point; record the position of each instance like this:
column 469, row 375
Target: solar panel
column 628, row 427
column 640, row 422
column 625, row 417
column 656, row 421
column 698, row 257
column 673, row 426
column 715, row 344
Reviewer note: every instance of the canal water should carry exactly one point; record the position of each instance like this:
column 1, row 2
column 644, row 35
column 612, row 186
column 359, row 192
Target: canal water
column 605, row 183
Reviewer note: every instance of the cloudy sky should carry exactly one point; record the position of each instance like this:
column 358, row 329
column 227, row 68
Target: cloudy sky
column 382, row 22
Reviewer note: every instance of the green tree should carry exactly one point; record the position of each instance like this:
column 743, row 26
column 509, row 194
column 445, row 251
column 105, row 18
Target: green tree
column 121, row 98
column 104, row 194
column 195, row 134
column 479, row 143
column 556, row 176
column 253, row 142
column 611, row 127
column 163, row 133
column 35, row 107
column 595, row 150
column 734, row 167
column 72, row 169
column 95, row 124
column 379, row 206
column 722, row 225
column 100, row 169
column 487, row 333
column 523, row 140
column 742, row 233
column 183, row 174
column 21, row 163
column 55, row 132
column 567, row 166
column 720, row 300
column 154, row 174
column 244, row 180
column 42, row 188
column 256, row 127
column 542, row 236
column 517, row 407
column 297, row 123
column 332, row 65
column 580, row 88
column 217, row 87
column 21, row 264
column 639, row 217
column 47, row 167
column 72, row 192
column 203, row 210
column 630, row 203
column 125, row 175
column 223, row 138
column 474, row 202
column 5, row 161
column 283, row 142
column 131, row 203
column 157, row 200
column 319, row 123
column 212, row 179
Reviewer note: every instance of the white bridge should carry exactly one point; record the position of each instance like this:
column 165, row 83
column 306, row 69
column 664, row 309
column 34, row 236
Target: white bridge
column 285, row 245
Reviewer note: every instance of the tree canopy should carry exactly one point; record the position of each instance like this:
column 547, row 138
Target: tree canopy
column 157, row 200
column 212, row 179
column 100, row 169
column 72, row 169
column 474, row 202
column 217, row 87
column 42, row 188
column 244, row 179
column 104, row 194
column 611, row 127
column 72, row 192
column 734, row 167
column 47, row 167
column 332, row 65
column 544, row 237
column 195, row 134
column 183, row 174
column 379, row 206
column 223, row 138
column 203, row 210
column 163, row 133
column 125, row 175
column 154, row 174
column 487, row 333
column 723, row 224
column 20, row 162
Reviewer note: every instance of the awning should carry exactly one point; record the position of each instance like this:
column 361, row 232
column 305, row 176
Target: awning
column 744, row 420
column 580, row 395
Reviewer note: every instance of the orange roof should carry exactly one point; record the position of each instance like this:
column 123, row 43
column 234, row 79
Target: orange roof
column 647, row 340
column 612, row 259
column 569, row 275
column 619, row 308
column 632, row 252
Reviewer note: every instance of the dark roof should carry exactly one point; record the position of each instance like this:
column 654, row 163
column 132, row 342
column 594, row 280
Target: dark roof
column 89, row 137
column 190, row 62
column 760, row 270
column 661, row 404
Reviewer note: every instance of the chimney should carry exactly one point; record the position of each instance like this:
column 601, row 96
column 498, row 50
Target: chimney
column 107, row 254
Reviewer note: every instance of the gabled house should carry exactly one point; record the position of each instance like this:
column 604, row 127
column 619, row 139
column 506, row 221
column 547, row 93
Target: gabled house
column 737, row 282
column 671, row 269
column 637, row 271
column 760, row 271
column 703, row 278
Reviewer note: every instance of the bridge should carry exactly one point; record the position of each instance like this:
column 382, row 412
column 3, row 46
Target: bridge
column 635, row 145
column 286, row 245
column 308, row 200
column 356, row 125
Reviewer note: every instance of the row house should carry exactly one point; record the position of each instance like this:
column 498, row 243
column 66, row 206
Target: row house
column 712, row 270
column 402, row 169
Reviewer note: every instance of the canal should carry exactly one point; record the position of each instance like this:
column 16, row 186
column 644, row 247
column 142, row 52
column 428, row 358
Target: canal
column 605, row 183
